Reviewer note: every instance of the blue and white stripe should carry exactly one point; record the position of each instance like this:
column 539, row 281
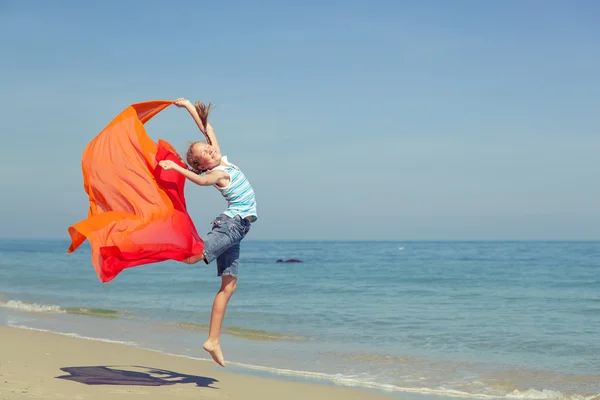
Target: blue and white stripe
column 239, row 193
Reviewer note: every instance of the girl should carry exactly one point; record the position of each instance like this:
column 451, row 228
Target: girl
column 207, row 167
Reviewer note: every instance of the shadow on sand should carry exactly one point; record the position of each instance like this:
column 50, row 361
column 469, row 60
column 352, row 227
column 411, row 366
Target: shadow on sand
column 132, row 375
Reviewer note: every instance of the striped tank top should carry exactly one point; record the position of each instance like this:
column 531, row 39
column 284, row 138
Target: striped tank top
column 239, row 194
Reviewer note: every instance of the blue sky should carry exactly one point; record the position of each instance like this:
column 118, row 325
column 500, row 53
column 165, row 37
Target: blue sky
column 383, row 120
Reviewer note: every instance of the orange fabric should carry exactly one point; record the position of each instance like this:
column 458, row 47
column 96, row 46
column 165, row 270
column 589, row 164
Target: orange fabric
column 137, row 211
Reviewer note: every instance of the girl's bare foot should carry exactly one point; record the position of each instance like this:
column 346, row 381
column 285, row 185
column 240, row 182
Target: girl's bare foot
column 215, row 351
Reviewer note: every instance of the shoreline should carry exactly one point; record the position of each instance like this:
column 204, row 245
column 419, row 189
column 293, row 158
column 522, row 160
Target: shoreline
column 49, row 365
column 61, row 327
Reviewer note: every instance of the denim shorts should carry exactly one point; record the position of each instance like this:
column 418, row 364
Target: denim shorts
column 223, row 243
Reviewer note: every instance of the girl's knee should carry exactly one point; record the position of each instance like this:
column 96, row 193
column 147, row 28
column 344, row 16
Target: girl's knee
column 228, row 285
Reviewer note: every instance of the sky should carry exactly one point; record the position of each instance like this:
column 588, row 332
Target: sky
column 353, row 120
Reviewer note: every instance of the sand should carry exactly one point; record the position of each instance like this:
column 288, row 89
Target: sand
column 43, row 365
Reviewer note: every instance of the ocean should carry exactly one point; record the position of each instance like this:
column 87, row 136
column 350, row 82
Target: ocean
column 518, row 320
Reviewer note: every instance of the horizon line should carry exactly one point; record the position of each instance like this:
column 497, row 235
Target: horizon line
column 352, row 240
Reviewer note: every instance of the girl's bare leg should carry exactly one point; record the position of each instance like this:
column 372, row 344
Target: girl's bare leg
column 213, row 344
column 194, row 259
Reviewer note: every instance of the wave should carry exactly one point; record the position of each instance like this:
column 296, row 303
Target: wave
column 32, row 307
column 94, row 312
column 241, row 332
column 54, row 309
column 74, row 335
column 546, row 394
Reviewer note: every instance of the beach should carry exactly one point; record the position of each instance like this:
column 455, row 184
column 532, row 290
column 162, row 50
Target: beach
column 433, row 320
column 44, row 365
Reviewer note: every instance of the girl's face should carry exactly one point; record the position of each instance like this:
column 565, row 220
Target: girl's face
column 207, row 155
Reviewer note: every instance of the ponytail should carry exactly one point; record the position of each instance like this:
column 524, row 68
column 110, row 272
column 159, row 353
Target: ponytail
column 203, row 110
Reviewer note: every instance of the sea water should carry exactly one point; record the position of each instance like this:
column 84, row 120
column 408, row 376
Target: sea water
column 466, row 319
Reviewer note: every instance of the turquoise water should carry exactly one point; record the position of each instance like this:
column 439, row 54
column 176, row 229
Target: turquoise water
column 466, row 319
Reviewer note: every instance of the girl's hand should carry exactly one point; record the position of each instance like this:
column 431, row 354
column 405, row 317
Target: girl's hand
column 181, row 102
column 168, row 165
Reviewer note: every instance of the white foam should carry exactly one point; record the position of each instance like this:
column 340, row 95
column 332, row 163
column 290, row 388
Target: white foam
column 74, row 335
column 546, row 394
column 32, row 307
column 348, row 380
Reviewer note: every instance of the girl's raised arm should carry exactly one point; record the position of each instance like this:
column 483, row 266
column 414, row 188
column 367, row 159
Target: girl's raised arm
column 199, row 113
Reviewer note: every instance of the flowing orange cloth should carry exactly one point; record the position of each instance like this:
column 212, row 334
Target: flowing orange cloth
column 137, row 212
